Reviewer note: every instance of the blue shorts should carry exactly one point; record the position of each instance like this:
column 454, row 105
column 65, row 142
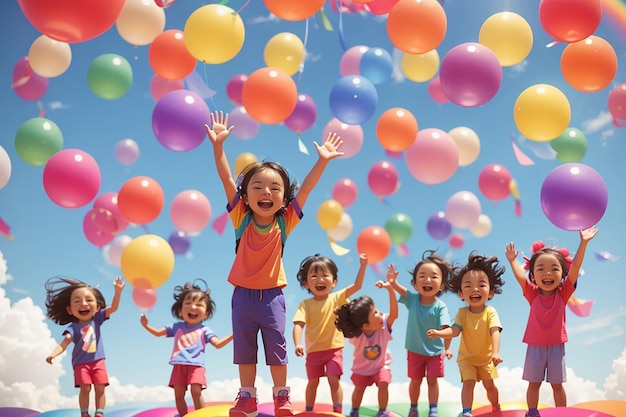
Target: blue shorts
column 254, row 310
column 545, row 362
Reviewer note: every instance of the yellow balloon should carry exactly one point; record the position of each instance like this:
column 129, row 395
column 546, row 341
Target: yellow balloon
column 508, row 35
column 140, row 22
column 329, row 214
column 214, row 33
column 147, row 261
column 285, row 51
column 541, row 112
column 467, row 142
column 420, row 67
column 48, row 57
column 243, row 160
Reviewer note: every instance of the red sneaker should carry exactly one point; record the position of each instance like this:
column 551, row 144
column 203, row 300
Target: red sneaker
column 245, row 407
column 282, row 405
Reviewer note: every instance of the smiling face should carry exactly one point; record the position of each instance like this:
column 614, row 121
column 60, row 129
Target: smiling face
column 428, row 282
column 475, row 290
column 83, row 304
column 374, row 321
column 265, row 195
column 547, row 273
column 320, row 282
column 194, row 309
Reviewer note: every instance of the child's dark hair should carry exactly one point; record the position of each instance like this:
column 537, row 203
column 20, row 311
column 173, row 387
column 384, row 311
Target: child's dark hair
column 59, row 294
column 477, row 262
column 353, row 315
column 316, row 263
column 538, row 248
column 195, row 292
column 444, row 266
column 249, row 170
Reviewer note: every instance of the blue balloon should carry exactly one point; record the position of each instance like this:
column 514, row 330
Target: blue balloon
column 376, row 65
column 438, row 226
column 353, row 99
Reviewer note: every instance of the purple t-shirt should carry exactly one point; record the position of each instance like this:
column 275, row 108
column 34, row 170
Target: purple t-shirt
column 88, row 345
column 189, row 343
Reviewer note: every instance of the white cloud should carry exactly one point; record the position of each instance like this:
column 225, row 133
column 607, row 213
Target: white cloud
column 262, row 19
column 603, row 120
column 615, row 384
column 57, row 105
column 520, row 68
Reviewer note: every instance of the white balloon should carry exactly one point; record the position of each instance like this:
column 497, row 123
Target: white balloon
column 342, row 230
column 5, row 167
column 482, row 227
column 116, row 248
column 463, row 209
column 48, row 57
column 468, row 143
column 140, row 22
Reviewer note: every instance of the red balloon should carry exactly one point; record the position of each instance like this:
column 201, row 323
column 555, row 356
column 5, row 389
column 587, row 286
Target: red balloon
column 617, row 102
column 293, row 10
column 494, row 182
column 140, row 200
column 169, row 57
column 375, row 242
column 570, row 20
column 456, row 241
column 269, row 95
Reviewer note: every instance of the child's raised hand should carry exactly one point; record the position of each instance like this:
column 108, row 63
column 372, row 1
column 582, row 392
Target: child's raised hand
column 144, row 320
column 119, row 284
column 588, row 234
column 363, row 259
column 219, row 130
column 329, row 149
column 392, row 273
column 510, row 252
column 381, row 284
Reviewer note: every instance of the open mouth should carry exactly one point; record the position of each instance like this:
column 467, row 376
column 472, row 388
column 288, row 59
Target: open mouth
column 427, row 288
column 475, row 297
column 265, row 204
column 547, row 281
column 320, row 287
column 192, row 316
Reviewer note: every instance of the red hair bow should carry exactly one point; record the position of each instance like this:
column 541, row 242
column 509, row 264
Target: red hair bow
column 539, row 245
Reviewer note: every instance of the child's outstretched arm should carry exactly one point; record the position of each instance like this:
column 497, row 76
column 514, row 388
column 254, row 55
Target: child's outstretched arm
column 218, row 133
column 60, row 348
column 393, row 303
column 360, row 276
column 220, row 343
column 585, row 236
column 115, row 303
column 154, row 331
column 392, row 278
column 511, row 255
column 447, row 333
column 327, row 151
column 495, row 346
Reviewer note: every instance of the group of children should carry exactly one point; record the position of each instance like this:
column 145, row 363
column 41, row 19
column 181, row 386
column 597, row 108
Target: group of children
column 264, row 208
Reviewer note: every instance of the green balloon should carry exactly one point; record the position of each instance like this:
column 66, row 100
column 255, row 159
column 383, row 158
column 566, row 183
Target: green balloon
column 571, row 146
column 400, row 227
column 37, row 140
column 110, row 76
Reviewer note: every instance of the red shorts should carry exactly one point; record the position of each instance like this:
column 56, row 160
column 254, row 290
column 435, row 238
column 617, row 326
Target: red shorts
column 91, row 373
column 384, row 375
column 324, row 363
column 420, row 366
column 187, row 375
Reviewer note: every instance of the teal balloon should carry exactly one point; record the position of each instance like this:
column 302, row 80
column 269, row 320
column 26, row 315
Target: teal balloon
column 400, row 227
column 110, row 76
column 571, row 146
column 37, row 140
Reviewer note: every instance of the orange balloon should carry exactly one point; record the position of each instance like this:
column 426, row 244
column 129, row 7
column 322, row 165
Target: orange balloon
column 293, row 10
column 269, row 95
column 140, row 200
column 589, row 65
column 375, row 242
column 416, row 26
column 396, row 129
column 169, row 57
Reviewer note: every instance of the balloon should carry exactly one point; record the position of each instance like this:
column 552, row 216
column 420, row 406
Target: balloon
column 147, row 262
column 140, row 200
column 375, row 242
column 435, row 92
column 329, row 214
column 420, row 67
column 108, row 201
column 269, row 95
column 110, row 76
column 285, row 51
column 508, row 35
column 381, row 7
column 616, row 102
column 48, row 57
column 493, row 182
column 396, row 129
column 103, row 219
column 140, row 22
column 352, row 136
column 570, row 146
column 456, row 241
column 160, row 86
column 178, row 120
column 541, row 112
column 468, row 144
column 351, row 60
column 463, row 209
column 214, row 33
column 416, row 27
column 116, row 248
column 126, row 151
column 303, row 116
column 598, row 59
column 234, row 87
column 438, row 226
column 293, row 10
column 244, row 160
column 94, row 235
column 574, row 196
column 144, row 299
column 245, row 126
column 376, row 65
column 71, row 178
column 169, row 57
column 190, row 211
column 342, row 231
column 433, row 157
column 353, row 99
column 400, row 227
column 179, row 241
column 69, row 20
column 5, row 167
column 345, row 191
column 570, row 21
column 382, row 179
column 470, row 74
column 27, row 84
column 482, row 227
column 37, row 139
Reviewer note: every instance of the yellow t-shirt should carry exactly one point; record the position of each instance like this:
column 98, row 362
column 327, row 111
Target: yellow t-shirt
column 475, row 346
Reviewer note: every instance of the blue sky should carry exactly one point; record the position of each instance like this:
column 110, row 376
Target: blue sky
column 49, row 240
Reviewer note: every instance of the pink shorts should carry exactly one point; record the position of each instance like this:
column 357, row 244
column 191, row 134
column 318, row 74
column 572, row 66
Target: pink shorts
column 91, row 373
column 187, row 375
column 384, row 375
column 420, row 366
column 324, row 363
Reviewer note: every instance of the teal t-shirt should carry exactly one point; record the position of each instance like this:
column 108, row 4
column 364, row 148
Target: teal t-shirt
column 422, row 318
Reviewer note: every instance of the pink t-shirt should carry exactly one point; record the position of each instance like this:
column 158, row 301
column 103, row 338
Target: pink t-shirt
column 371, row 353
column 546, row 320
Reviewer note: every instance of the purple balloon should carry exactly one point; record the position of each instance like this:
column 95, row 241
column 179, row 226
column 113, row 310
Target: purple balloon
column 245, row 126
column 179, row 242
column 304, row 114
column 470, row 74
column 574, row 196
column 438, row 226
column 178, row 120
column 17, row 412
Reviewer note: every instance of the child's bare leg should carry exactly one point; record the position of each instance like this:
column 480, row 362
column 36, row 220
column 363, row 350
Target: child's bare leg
column 83, row 396
column 383, row 395
column 357, row 396
column 311, row 392
column 467, row 393
column 560, row 398
column 433, row 390
column 196, row 396
column 336, row 392
column 279, row 375
column 179, row 396
column 532, row 394
column 247, row 374
column 101, row 399
column 492, row 392
column 414, row 390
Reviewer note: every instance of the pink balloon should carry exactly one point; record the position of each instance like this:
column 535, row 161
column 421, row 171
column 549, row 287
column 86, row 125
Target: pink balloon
column 494, row 182
column 345, row 191
column 382, row 178
column 190, row 211
column 71, row 178
column 245, row 126
column 617, row 102
column 27, row 83
column 103, row 219
column 108, row 201
column 350, row 61
column 456, row 241
column 144, row 299
column 433, row 157
column 303, row 116
column 352, row 136
column 161, row 86
column 435, row 92
column 470, row 74
column 381, row 7
column 234, row 87
column 463, row 209
column 126, row 151
column 94, row 235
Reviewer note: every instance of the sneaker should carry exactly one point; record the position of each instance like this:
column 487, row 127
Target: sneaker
column 533, row 413
column 245, row 407
column 354, row 413
column 433, row 413
column 382, row 413
column 413, row 413
column 282, row 405
column 85, row 415
column 467, row 414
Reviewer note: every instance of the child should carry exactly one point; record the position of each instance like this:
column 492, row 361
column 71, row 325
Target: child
column 264, row 211
column 479, row 349
column 425, row 356
column 192, row 305
column 552, row 280
column 324, row 342
column 369, row 331
column 84, row 308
